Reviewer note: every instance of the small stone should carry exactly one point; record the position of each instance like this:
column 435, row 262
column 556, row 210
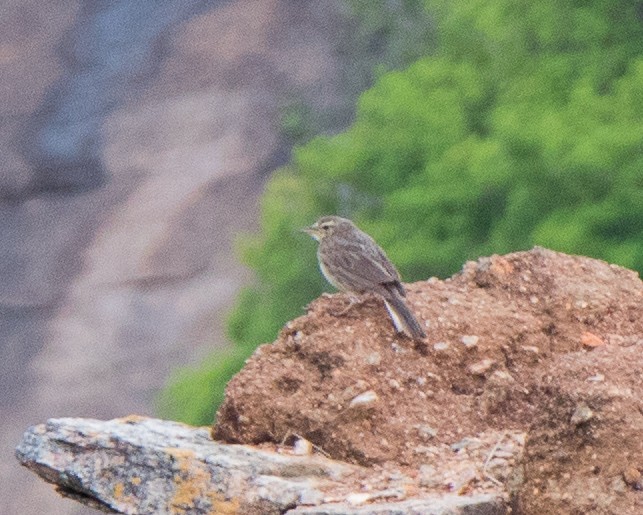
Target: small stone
column 469, row 341
column 590, row 340
column 426, row 432
column 373, row 358
column 598, row 378
column 582, row 414
column 440, row 346
column 357, row 498
column 530, row 348
column 302, row 447
column 481, row 367
column 618, row 485
column 534, row 300
column 632, row 476
column 397, row 348
column 394, row 383
column 363, row 400
column 421, row 381
column 467, row 443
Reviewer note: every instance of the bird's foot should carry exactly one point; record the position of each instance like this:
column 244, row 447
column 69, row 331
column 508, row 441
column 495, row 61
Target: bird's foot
column 353, row 301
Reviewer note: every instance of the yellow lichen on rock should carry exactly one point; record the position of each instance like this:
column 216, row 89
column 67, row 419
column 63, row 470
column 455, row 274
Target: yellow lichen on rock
column 193, row 484
column 118, row 491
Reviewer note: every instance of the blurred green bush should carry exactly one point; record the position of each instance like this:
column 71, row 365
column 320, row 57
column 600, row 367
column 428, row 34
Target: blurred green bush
column 524, row 127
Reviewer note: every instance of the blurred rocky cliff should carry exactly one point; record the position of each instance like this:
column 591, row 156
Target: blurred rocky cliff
column 136, row 140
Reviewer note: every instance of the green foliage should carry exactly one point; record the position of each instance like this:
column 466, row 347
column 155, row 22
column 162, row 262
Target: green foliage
column 194, row 392
column 525, row 128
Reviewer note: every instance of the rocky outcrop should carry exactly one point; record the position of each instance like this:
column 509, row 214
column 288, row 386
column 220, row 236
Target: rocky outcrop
column 139, row 465
column 525, row 396
column 536, row 342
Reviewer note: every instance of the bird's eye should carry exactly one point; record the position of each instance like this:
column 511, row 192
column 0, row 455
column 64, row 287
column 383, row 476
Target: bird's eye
column 325, row 227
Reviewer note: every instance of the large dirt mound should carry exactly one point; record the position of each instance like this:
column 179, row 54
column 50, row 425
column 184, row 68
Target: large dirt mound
column 536, row 341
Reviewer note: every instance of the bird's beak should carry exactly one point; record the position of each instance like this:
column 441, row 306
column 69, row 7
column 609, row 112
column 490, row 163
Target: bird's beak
column 313, row 231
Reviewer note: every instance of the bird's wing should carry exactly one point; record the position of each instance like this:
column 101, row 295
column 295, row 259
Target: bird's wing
column 363, row 264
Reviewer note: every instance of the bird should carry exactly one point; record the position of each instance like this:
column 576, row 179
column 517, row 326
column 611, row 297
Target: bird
column 354, row 263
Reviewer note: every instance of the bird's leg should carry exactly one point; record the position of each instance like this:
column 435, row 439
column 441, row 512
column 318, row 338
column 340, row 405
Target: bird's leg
column 354, row 299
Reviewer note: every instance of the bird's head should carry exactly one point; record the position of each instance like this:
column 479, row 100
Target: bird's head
column 326, row 226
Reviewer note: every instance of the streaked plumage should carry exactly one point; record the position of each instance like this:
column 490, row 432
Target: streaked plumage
column 353, row 262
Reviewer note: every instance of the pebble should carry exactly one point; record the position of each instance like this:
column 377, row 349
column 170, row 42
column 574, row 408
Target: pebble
column 467, row 443
column 481, row 367
column 440, row 346
column 598, row 378
column 632, row 476
column 364, row 399
column 397, row 348
column 302, row 447
column 618, row 485
column 357, row 498
column 590, row 340
column 581, row 414
column 426, row 432
column 469, row 341
column 373, row 358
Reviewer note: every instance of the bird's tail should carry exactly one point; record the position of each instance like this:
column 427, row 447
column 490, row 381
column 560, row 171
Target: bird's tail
column 402, row 318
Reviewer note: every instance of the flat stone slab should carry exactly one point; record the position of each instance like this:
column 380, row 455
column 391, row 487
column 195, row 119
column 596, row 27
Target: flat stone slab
column 143, row 465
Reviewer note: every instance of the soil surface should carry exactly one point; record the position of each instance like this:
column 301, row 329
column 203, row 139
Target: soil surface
column 536, row 342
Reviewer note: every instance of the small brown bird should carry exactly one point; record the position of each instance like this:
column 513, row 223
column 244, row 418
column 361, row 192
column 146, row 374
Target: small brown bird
column 352, row 262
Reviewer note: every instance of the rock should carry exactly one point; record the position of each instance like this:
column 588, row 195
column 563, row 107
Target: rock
column 427, row 432
column 469, row 341
column 302, row 447
column 537, row 381
column 581, row 415
column 437, row 505
column 365, row 399
column 632, row 476
column 440, row 346
column 481, row 367
column 142, row 465
column 526, row 432
column 590, row 340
